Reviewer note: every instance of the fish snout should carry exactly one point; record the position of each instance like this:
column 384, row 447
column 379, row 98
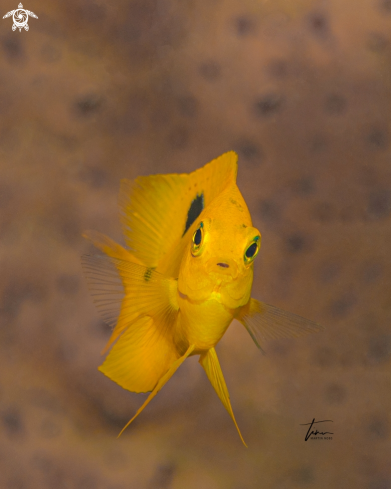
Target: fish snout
column 223, row 266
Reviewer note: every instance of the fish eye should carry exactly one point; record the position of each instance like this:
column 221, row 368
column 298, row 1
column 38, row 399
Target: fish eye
column 251, row 251
column 198, row 237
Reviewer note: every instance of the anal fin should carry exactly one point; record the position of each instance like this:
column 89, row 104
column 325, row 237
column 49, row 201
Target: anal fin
column 162, row 381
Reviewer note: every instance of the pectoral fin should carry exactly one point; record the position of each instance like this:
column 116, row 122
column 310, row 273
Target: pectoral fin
column 163, row 380
column 265, row 322
column 211, row 365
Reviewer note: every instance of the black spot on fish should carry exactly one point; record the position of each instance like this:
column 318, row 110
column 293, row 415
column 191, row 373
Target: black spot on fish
column 195, row 209
column 148, row 274
column 238, row 206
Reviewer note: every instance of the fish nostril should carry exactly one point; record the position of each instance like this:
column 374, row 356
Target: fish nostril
column 224, row 265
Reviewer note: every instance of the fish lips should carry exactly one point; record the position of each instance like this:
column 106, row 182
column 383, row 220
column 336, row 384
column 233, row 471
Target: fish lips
column 224, row 269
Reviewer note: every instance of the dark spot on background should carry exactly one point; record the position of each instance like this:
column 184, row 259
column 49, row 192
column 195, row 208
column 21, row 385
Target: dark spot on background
column 379, row 483
column 188, row 106
column 68, row 284
column 88, row 104
column 318, row 24
column 377, row 138
column 371, row 272
column 12, row 46
column 278, row 68
column 269, row 210
column 324, row 212
column 328, row 272
column 94, row 176
column 12, row 421
column 324, row 357
column 303, row 186
column 210, row 70
column 385, row 6
column 335, row 394
column 379, row 203
column 244, row 25
column 267, row 105
column 249, row 151
column 100, row 328
column 379, row 348
column 16, row 483
column 378, row 427
column 163, row 477
column 69, row 229
column 303, row 475
column 195, row 209
column 335, row 104
column 297, row 243
column 377, row 42
column 179, row 137
column 18, row 292
column 341, row 306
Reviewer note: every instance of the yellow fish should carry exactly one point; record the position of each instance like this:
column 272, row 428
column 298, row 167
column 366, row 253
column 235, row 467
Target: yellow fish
column 186, row 273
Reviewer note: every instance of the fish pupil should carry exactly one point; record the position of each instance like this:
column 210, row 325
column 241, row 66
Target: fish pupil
column 197, row 237
column 250, row 252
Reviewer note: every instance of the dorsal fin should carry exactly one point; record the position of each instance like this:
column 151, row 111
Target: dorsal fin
column 158, row 210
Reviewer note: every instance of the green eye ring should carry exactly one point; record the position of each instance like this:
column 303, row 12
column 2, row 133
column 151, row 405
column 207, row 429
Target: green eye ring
column 252, row 251
column 197, row 240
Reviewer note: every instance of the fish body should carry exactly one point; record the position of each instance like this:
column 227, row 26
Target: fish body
column 186, row 273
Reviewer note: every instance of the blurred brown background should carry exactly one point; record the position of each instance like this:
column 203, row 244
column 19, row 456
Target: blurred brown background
column 98, row 91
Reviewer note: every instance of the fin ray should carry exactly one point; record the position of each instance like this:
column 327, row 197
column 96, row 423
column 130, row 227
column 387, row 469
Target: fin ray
column 265, row 322
column 162, row 381
column 211, row 365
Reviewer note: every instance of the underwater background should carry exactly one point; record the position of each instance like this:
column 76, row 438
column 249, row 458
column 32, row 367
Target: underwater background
column 99, row 91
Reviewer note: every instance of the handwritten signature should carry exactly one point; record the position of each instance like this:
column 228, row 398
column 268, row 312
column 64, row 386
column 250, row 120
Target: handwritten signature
column 316, row 432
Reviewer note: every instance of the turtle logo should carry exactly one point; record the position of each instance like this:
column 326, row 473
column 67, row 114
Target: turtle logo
column 20, row 18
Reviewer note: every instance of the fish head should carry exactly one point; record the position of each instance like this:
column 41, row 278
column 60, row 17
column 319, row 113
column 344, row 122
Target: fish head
column 219, row 259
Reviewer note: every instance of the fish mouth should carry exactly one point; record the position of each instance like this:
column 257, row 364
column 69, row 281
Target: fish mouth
column 224, row 267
